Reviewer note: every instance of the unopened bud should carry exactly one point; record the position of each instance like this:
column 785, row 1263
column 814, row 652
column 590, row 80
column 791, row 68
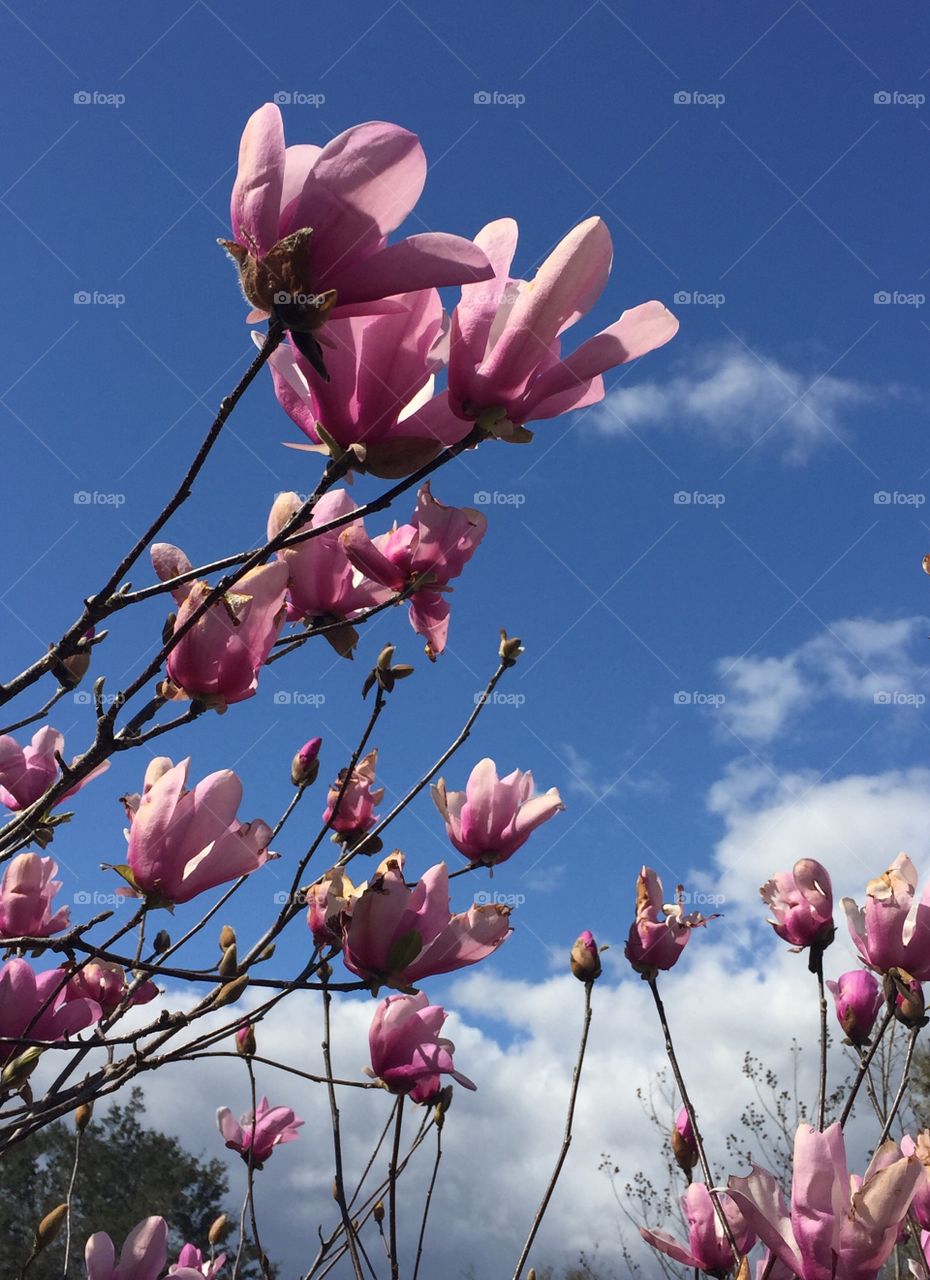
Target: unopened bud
column 82, row 1116
column 245, row 1040
column 218, row 1229
column 906, row 996
column 585, row 958
column 49, row 1227
column 16, row 1073
column 229, row 963
column 306, row 764
column 231, row 992
column 510, row 648
column 684, row 1145
column 378, row 1212
column 227, row 937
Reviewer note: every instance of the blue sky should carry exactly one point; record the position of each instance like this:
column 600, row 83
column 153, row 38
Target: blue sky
column 762, row 172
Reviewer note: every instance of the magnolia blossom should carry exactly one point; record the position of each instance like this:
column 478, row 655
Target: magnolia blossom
column 192, row 1265
column 801, row 900
column 837, row 1225
column 323, row 584
column 684, row 1143
column 258, row 1134
column 26, row 893
column 506, row 366
column 142, row 1257
column 585, row 958
column 218, row 659
column 23, row 993
column 182, row 842
column 708, row 1248
column 350, row 807
column 493, row 817
column 329, row 901
column 858, row 998
column 105, row 983
column 378, row 399
column 310, row 226
column 920, row 1205
column 660, row 932
column 306, row 763
column 26, row 773
column 893, row 930
column 399, row 936
column 407, row 1052
column 424, row 555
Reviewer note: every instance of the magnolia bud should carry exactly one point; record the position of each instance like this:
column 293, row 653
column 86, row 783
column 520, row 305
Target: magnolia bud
column 49, row 1227
column 585, row 958
column 227, row 937
column 906, row 995
column 510, row 648
column 229, row 963
column 378, row 1212
column 684, row 1146
column 231, row 992
column 16, row 1073
column 218, row 1229
column 245, row 1040
column 306, row 765
column 82, row 1116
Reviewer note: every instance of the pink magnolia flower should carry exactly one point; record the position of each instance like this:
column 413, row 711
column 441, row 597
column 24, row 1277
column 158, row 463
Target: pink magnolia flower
column 660, row 932
column 920, row 1205
column 399, row 936
column 269, row 1128
column 142, row 1257
column 801, row 900
column 837, row 1225
column 182, row 842
column 105, row 983
column 218, row 660
column 407, row 1052
column 23, row 992
column 858, row 999
column 708, row 1249
column 354, row 813
column 306, row 764
column 26, row 773
column 329, row 901
column 323, row 584
column 310, row 226
column 493, row 817
column 192, row 1265
column 430, row 551
column 26, row 893
column 506, row 365
column 585, row 958
column 379, row 397
column 893, row 931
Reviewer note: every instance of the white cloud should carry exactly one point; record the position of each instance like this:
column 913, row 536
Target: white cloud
column 736, row 396
column 878, row 664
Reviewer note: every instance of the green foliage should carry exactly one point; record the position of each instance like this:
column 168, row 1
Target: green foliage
column 127, row 1171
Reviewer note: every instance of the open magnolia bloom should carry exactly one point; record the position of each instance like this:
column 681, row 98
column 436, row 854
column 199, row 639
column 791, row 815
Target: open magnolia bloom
column 493, row 817
column 408, row 1055
column 26, row 773
column 660, row 931
column 142, row 1257
column 893, row 929
column 708, row 1250
column 310, row 227
column 41, row 1002
column 506, row 366
column 255, row 1137
column 801, row 902
column 26, row 894
column 837, row 1225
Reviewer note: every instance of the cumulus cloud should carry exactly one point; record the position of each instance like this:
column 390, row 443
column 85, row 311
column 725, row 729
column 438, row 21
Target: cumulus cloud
column 878, row 664
column 740, row 397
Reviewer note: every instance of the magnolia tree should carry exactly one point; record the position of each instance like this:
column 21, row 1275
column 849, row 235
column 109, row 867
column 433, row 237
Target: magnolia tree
column 355, row 338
